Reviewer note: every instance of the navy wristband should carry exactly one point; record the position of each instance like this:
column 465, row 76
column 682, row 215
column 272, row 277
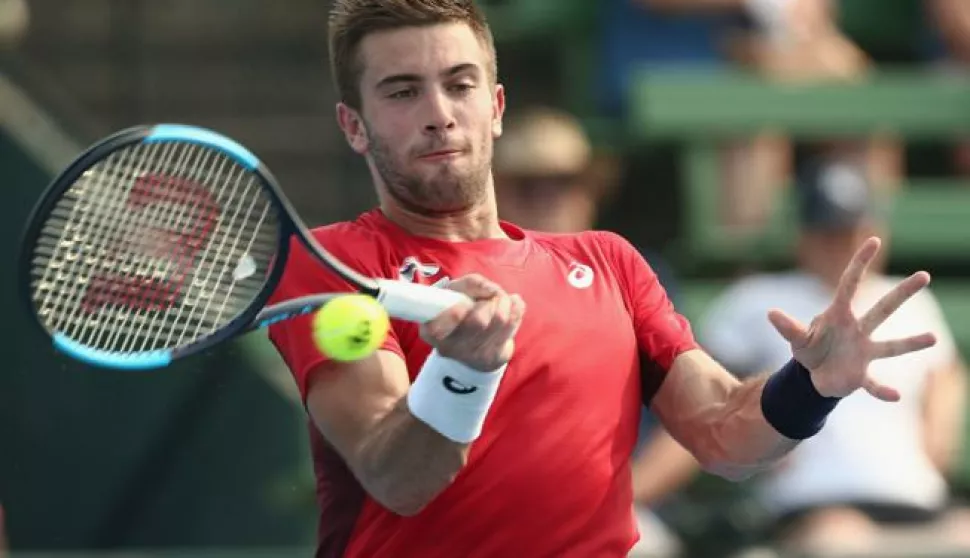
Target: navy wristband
column 792, row 405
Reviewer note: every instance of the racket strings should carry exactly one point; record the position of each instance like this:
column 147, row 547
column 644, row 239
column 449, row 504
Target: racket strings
column 92, row 208
column 124, row 271
column 154, row 247
column 162, row 200
column 176, row 199
column 232, row 246
column 210, row 258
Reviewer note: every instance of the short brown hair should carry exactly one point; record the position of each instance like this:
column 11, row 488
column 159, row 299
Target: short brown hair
column 352, row 20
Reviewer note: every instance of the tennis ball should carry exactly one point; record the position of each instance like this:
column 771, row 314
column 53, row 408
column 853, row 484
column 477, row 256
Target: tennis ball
column 350, row 327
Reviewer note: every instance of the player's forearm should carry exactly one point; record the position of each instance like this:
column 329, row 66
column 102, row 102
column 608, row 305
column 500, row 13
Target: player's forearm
column 764, row 419
column 421, row 444
column 404, row 464
column 735, row 429
column 736, row 440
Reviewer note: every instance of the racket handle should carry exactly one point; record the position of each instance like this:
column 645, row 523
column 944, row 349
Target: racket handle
column 414, row 302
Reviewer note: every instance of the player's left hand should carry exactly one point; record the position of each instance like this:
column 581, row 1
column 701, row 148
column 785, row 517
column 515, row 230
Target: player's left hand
column 837, row 347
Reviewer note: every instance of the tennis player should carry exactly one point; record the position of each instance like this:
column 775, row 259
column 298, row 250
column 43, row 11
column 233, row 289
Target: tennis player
column 505, row 427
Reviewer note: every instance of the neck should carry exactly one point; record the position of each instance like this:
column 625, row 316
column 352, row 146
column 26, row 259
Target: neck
column 478, row 222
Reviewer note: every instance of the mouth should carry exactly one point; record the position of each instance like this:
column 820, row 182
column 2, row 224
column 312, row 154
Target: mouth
column 440, row 155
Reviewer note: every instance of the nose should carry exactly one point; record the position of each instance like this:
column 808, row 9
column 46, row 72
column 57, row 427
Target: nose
column 440, row 116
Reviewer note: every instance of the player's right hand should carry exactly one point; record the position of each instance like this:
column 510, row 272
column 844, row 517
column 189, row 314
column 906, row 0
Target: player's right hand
column 479, row 334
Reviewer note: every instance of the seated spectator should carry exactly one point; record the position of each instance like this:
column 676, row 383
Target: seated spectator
column 876, row 471
column 786, row 40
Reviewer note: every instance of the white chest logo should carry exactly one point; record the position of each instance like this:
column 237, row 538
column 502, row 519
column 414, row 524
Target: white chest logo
column 580, row 276
column 412, row 268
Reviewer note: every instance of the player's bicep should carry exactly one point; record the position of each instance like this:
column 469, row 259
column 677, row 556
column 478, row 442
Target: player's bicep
column 346, row 400
column 693, row 395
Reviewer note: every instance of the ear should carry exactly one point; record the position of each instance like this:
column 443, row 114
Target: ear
column 353, row 127
column 498, row 110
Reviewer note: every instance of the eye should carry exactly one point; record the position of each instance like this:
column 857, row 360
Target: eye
column 462, row 88
column 403, row 93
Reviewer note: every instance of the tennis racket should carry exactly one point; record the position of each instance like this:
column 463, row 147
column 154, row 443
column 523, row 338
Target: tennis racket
column 161, row 241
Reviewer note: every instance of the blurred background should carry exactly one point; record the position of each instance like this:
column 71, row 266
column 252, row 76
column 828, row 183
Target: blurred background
column 726, row 139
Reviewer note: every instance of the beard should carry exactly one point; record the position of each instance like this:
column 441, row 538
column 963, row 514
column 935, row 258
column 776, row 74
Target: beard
column 451, row 187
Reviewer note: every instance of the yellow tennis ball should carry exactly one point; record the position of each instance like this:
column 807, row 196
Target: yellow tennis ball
column 350, row 327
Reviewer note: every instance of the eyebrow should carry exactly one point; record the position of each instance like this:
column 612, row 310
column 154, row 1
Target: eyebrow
column 413, row 78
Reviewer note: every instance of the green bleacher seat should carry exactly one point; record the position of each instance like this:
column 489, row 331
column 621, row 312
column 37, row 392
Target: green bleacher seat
column 706, row 105
column 697, row 110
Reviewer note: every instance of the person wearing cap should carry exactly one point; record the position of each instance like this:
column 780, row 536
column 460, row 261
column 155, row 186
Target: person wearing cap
column 547, row 178
column 875, row 470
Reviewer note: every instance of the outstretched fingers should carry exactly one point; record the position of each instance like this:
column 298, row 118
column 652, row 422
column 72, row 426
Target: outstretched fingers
column 880, row 391
column 891, row 301
column 905, row 345
column 791, row 329
column 854, row 272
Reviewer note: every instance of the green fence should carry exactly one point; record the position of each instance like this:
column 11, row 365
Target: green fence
column 699, row 110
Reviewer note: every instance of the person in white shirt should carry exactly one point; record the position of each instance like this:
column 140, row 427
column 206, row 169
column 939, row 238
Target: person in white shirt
column 876, row 468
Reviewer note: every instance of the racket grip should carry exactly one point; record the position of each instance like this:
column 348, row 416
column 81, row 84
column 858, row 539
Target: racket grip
column 414, row 302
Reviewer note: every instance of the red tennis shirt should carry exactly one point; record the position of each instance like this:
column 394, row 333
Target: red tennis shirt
column 550, row 474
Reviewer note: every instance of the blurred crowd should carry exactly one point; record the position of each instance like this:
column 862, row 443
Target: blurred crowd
column 876, row 480
column 877, row 474
column 787, row 41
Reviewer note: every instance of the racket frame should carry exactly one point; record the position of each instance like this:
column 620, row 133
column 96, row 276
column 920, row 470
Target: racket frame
column 243, row 321
column 402, row 300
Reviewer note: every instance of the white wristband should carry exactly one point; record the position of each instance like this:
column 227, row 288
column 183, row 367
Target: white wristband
column 453, row 398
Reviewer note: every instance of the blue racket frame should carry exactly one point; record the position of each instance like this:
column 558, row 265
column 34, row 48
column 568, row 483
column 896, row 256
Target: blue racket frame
column 254, row 317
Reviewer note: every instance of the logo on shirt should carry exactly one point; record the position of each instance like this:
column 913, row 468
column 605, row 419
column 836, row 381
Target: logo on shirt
column 580, row 276
column 412, row 268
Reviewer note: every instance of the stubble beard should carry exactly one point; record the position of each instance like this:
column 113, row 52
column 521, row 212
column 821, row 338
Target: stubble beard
column 451, row 189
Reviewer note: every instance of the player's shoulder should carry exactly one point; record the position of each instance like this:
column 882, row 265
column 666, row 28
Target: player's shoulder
column 359, row 239
column 602, row 241
column 363, row 228
column 359, row 243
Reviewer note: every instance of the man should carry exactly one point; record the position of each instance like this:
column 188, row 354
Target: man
column 547, row 178
column 443, row 443
column 874, row 468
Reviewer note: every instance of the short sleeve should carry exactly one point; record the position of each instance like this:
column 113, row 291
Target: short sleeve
column 662, row 333
column 304, row 275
